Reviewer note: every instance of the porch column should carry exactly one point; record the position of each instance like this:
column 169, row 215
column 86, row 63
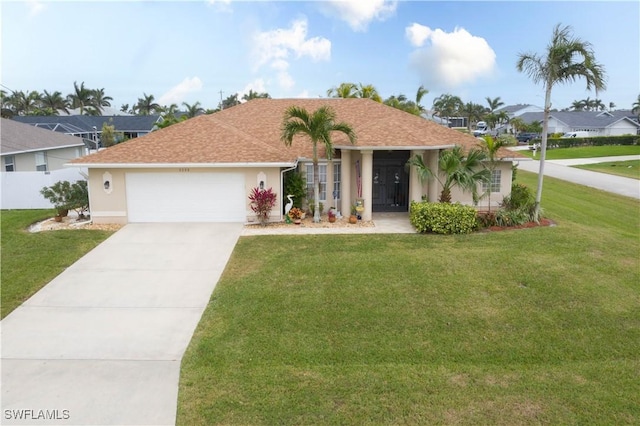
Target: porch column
column 345, row 184
column 415, row 185
column 434, row 187
column 329, row 187
column 367, row 183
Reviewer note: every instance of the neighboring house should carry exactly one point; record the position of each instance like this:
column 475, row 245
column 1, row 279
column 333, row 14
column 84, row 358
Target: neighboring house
column 89, row 128
column 515, row 111
column 29, row 149
column 203, row 169
column 597, row 123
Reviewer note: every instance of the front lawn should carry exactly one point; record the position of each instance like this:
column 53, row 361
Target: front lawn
column 587, row 152
column 519, row 327
column 31, row 260
column 620, row 168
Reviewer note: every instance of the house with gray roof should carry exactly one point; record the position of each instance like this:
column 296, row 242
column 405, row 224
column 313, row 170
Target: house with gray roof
column 597, row 123
column 26, row 148
column 89, row 127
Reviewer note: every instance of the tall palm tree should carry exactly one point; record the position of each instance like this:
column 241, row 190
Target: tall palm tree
column 419, row 95
column 25, row 103
column 611, row 106
column 598, row 105
column 80, row 98
column 494, row 103
column 255, row 95
column 635, row 108
column 100, row 100
column 459, row 170
column 345, row 90
column 193, row 110
column 368, row 91
column 447, row 106
column 55, row 101
column 474, row 113
column 318, row 127
column 577, row 105
column 147, row 105
column 566, row 59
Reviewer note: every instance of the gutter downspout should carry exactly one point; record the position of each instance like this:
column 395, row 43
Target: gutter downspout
column 295, row 166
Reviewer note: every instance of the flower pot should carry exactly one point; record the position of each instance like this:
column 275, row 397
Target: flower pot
column 353, row 219
column 57, row 218
column 297, row 221
column 332, row 219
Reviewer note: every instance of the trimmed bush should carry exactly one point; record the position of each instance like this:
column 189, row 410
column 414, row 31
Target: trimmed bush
column 521, row 196
column 442, row 218
column 593, row 141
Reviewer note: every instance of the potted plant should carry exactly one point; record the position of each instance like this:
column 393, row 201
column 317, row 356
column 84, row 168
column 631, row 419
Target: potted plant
column 296, row 215
column 353, row 218
column 331, row 213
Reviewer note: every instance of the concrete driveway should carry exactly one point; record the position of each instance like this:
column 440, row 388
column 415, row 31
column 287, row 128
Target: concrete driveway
column 102, row 343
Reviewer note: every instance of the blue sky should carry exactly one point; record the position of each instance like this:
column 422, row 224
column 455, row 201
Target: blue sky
column 190, row 51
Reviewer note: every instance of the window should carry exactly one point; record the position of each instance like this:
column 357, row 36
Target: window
column 9, row 163
column 322, row 168
column 41, row 161
column 337, row 170
column 496, row 177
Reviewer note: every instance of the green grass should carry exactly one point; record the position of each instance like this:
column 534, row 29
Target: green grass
column 519, row 327
column 587, row 152
column 619, row 168
column 31, row 260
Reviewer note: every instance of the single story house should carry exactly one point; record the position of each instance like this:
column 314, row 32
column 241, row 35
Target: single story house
column 26, row 148
column 203, row 169
column 597, row 123
column 89, row 127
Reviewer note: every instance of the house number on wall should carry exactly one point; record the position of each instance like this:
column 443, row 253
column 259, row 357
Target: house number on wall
column 183, row 170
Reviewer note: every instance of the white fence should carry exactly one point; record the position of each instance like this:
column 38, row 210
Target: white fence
column 21, row 190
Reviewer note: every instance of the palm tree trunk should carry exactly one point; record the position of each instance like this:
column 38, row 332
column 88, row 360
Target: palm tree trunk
column 316, row 185
column 543, row 148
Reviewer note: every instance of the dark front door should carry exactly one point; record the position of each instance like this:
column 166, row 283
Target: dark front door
column 390, row 182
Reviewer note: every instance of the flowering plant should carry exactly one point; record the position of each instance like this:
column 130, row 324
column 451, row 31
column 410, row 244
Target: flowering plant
column 331, row 213
column 295, row 213
column 262, row 201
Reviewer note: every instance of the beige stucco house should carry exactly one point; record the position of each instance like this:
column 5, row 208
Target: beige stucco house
column 203, row 169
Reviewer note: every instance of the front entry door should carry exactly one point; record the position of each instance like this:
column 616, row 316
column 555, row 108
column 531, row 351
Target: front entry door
column 390, row 182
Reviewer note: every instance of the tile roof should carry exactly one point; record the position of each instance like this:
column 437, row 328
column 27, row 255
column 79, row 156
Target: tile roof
column 250, row 133
column 19, row 137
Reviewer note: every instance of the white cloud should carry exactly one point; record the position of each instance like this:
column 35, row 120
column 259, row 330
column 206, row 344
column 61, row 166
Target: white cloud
column 448, row 60
column 35, row 7
column 303, row 94
column 177, row 94
column 417, row 34
column 277, row 47
column 221, row 5
column 359, row 13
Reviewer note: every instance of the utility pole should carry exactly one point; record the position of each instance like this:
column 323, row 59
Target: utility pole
column 221, row 104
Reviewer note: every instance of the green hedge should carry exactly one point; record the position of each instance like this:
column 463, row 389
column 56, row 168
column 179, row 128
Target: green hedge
column 593, row 141
column 442, row 218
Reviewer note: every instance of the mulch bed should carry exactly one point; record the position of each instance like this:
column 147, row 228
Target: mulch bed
column 543, row 222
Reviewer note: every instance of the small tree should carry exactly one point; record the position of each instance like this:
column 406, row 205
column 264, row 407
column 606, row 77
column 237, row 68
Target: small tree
column 262, row 202
column 66, row 196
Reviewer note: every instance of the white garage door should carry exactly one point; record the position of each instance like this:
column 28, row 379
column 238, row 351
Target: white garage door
column 186, row 197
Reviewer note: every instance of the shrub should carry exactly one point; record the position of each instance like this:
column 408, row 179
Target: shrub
column 65, row 196
column 262, row 201
column 294, row 184
column 514, row 217
column 442, row 218
column 521, row 196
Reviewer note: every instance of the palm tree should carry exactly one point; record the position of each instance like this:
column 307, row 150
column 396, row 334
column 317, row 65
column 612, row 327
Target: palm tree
column 193, row 110
column 24, row 103
column 318, row 127
column 635, row 108
column 494, row 103
column 577, row 105
column 345, row 90
column 446, row 106
column 55, row 101
column 255, row 95
column 459, row 170
column 147, row 105
column 100, row 100
column 474, row 113
column 230, row 101
column 598, row 105
column 80, row 98
column 369, row 92
column 561, row 64
column 611, row 106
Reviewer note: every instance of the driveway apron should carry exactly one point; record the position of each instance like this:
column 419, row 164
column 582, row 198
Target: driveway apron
column 101, row 344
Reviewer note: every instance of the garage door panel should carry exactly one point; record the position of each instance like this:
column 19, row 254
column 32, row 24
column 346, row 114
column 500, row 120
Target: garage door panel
column 186, row 197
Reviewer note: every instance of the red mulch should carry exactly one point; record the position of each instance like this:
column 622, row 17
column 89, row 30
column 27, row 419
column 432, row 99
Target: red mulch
column 543, row 222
